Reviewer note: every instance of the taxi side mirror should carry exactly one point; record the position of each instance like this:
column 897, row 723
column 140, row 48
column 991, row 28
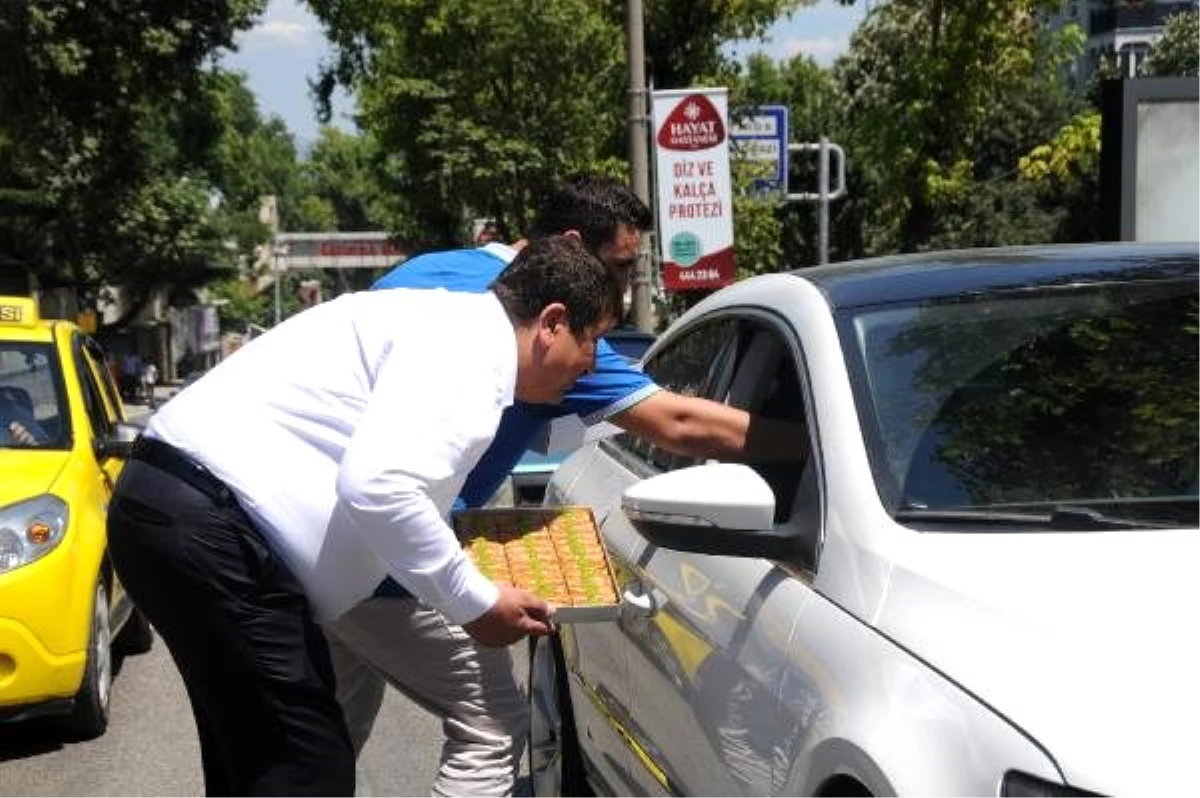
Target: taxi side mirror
column 118, row 443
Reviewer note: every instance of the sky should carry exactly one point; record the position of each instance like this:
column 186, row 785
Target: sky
column 284, row 51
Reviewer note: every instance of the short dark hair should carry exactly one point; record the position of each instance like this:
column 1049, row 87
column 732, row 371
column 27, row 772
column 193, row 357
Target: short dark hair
column 559, row 269
column 592, row 204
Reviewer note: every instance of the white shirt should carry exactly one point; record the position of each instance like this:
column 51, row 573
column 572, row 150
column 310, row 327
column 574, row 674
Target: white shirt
column 347, row 431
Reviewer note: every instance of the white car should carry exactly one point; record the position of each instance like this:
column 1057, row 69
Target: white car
column 978, row 578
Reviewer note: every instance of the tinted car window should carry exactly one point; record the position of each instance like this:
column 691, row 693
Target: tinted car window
column 1080, row 395
column 694, row 365
column 102, row 417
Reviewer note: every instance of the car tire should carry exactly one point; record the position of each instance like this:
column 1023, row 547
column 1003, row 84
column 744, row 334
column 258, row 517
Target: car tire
column 555, row 761
column 90, row 716
column 136, row 636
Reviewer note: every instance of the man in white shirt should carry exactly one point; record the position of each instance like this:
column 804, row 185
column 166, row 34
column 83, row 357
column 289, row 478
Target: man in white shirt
column 281, row 487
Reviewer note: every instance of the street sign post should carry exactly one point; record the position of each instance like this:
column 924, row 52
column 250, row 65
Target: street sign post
column 761, row 134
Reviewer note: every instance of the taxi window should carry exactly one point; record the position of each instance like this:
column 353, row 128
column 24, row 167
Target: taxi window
column 32, row 404
column 102, row 418
column 94, row 354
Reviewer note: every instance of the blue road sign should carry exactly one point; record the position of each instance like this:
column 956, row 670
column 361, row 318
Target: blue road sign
column 761, row 134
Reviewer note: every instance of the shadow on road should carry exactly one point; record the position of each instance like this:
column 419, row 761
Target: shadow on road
column 22, row 739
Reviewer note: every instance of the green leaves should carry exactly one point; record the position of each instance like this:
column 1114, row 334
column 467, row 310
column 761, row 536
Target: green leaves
column 1177, row 54
column 102, row 109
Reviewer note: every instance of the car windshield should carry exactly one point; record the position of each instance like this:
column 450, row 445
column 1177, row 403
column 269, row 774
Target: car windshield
column 1073, row 402
column 31, row 400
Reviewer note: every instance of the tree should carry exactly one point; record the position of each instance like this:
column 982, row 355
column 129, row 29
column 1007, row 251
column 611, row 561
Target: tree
column 486, row 102
column 812, row 99
column 102, row 135
column 684, row 39
column 349, row 183
column 1177, row 53
column 942, row 99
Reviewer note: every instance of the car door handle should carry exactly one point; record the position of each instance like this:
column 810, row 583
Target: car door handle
column 640, row 600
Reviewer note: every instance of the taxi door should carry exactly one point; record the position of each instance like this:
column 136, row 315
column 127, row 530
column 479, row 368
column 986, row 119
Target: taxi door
column 104, row 408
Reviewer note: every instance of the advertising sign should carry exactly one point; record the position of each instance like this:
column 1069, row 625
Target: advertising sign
column 695, row 196
column 761, row 134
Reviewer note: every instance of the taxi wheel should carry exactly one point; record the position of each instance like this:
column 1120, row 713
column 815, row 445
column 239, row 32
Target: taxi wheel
column 90, row 717
column 555, row 762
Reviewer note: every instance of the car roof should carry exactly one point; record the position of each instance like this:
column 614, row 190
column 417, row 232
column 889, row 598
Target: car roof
column 897, row 278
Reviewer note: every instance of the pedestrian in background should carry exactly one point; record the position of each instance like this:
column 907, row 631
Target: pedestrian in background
column 285, row 483
column 131, row 375
column 149, row 380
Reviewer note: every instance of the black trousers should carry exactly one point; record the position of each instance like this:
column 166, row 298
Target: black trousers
column 238, row 625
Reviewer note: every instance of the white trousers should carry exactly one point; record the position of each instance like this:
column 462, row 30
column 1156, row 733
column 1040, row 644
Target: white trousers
column 472, row 688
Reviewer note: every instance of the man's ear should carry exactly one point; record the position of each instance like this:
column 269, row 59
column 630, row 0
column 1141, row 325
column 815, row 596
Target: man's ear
column 552, row 317
column 573, row 233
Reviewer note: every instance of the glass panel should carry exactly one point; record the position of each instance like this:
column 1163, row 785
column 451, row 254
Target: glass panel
column 1080, row 396
column 31, row 397
column 694, row 365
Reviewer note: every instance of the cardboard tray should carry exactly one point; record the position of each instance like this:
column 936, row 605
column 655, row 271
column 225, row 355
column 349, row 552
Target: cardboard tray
column 555, row 552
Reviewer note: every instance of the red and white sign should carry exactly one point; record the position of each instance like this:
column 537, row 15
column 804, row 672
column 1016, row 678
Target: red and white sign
column 695, row 194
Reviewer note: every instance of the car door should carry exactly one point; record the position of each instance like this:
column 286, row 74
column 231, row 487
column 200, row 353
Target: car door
column 104, row 410
column 596, row 652
column 706, row 659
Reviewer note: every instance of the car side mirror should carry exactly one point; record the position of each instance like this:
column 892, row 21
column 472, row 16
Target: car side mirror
column 718, row 508
column 118, row 443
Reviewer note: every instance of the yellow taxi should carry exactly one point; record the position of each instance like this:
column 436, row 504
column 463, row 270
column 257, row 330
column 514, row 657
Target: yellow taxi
column 64, row 438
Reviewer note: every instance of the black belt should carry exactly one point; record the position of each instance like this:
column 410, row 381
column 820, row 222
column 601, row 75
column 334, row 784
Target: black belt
column 166, row 457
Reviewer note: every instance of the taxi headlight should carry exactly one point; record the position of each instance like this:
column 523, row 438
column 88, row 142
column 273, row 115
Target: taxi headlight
column 30, row 529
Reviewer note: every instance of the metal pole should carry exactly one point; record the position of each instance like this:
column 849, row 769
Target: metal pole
column 823, row 206
column 279, row 251
column 638, row 158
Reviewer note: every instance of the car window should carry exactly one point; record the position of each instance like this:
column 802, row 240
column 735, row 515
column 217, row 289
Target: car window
column 31, row 394
column 1081, row 396
column 97, row 362
column 751, row 364
column 769, row 383
column 696, row 364
column 102, row 417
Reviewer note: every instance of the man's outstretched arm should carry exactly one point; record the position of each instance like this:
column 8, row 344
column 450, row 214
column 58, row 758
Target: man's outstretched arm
column 696, row 427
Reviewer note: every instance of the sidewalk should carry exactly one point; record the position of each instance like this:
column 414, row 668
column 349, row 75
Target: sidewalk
column 140, row 409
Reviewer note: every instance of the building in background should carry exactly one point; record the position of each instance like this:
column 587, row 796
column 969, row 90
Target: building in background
column 1121, row 31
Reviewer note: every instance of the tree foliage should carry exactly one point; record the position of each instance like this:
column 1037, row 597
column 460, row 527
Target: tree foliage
column 486, row 102
column 942, row 98
column 684, row 38
column 1177, row 53
column 104, row 127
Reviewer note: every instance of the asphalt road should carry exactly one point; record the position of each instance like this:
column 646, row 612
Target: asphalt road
column 151, row 749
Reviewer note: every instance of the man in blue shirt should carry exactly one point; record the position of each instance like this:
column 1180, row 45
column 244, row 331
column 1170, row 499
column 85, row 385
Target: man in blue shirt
column 391, row 636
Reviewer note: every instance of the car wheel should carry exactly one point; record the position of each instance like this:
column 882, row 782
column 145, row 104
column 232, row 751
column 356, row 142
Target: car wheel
column 555, row 762
column 136, row 636
column 90, row 717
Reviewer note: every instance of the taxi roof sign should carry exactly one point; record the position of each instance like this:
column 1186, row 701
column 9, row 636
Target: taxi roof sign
column 18, row 311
